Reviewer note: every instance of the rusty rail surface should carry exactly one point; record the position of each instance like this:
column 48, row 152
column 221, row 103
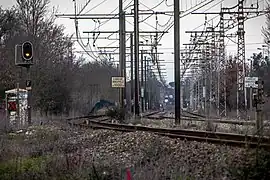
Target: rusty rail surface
column 192, row 135
column 211, row 119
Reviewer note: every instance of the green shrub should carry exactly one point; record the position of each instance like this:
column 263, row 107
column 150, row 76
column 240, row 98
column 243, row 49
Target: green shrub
column 258, row 167
column 22, row 166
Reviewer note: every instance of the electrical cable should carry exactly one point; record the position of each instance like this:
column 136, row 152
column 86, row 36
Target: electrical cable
column 96, row 6
column 86, row 4
column 106, row 21
column 168, row 5
column 146, row 18
column 202, row 4
column 164, row 25
column 151, row 9
column 214, row 5
column 101, row 24
column 229, row 39
column 79, row 40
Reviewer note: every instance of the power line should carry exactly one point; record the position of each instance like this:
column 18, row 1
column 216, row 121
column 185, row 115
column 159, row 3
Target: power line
column 152, row 7
column 86, row 4
column 97, row 6
column 103, row 23
column 189, row 11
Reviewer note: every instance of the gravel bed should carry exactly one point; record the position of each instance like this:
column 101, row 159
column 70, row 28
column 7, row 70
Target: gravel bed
column 199, row 125
column 151, row 156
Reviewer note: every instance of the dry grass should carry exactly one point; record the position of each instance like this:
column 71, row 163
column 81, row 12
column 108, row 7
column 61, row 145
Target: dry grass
column 56, row 151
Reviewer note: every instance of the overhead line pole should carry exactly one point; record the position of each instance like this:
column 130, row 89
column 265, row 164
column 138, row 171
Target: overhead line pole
column 122, row 55
column 145, row 83
column 241, row 90
column 177, row 61
column 222, row 106
column 131, row 72
column 142, row 83
column 136, row 56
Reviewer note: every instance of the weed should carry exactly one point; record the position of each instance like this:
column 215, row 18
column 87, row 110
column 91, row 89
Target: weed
column 117, row 113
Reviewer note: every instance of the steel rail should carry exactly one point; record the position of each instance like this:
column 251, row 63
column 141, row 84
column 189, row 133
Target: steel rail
column 206, row 136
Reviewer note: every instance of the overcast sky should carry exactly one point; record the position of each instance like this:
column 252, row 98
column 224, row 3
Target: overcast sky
column 253, row 27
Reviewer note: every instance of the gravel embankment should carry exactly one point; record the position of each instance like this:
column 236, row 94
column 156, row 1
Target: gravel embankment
column 200, row 125
column 151, row 156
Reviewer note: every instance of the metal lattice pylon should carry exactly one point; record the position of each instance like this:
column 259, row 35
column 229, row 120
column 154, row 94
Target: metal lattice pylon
column 212, row 70
column 241, row 100
column 222, row 96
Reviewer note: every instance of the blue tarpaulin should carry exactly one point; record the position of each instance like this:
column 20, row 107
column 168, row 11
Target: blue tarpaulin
column 100, row 105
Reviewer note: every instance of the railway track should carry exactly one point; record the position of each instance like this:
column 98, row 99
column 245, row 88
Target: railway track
column 184, row 115
column 196, row 117
column 96, row 122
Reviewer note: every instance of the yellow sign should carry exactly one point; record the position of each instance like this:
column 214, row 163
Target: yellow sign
column 118, row 82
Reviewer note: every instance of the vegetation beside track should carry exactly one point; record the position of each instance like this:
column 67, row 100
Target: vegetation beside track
column 51, row 151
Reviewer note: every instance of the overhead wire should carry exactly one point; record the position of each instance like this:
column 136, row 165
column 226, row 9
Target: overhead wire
column 235, row 23
column 114, row 41
column 152, row 7
column 116, row 9
column 214, row 5
column 96, row 6
column 187, row 12
column 106, row 21
column 164, row 25
column 86, row 4
column 146, row 18
column 79, row 40
column 195, row 45
column 101, row 24
column 169, row 5
column 218, row 24
column 115, row 15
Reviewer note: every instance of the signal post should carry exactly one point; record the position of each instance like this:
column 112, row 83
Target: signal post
column 259, row 107
column 258, row 100
column 24, row 58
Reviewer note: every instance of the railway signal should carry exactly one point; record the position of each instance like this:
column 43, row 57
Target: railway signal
column 24, row 55
column 27, row 51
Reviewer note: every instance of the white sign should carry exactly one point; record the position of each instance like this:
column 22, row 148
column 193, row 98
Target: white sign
column 118, row 82
column 204, row 91
column 142, row 92
column 250, row 82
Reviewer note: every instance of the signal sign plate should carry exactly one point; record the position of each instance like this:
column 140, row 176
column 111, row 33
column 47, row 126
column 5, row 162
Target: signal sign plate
column 250, row 82
column 12, row 106
column 118, row 82
column 28, row 85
